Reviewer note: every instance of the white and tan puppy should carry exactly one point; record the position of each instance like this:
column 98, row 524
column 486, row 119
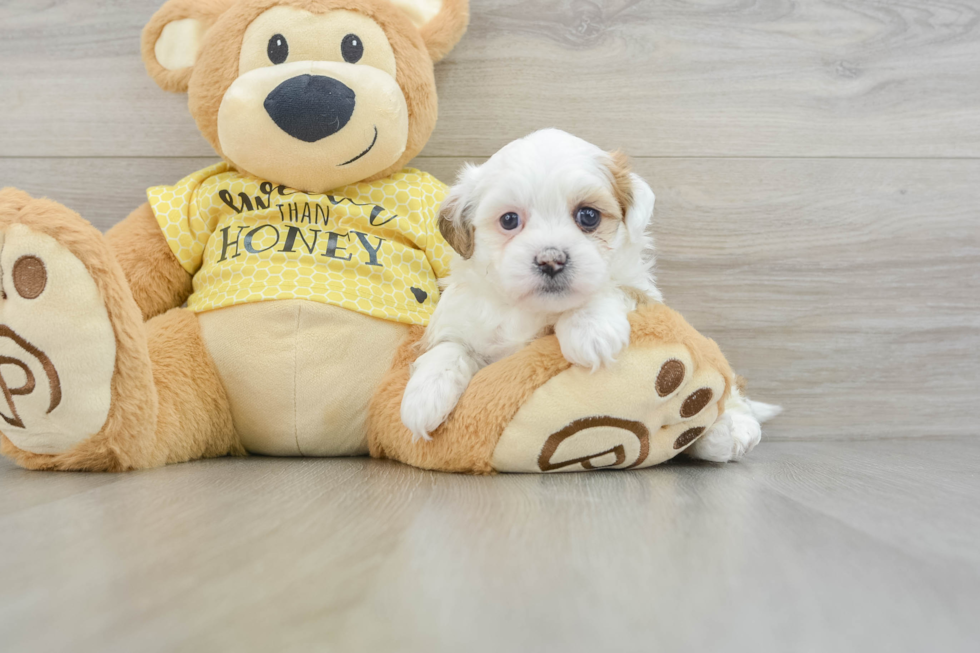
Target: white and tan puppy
column 551, row 234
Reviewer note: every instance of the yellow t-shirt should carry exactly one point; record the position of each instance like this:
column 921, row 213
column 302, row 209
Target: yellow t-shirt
column 369, row 247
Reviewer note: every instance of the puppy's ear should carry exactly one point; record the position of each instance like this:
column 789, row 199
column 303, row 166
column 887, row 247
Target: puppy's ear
column 640, row 213
column 172, row 39
column 635, row 197
column 441, row 22
column 455, row 219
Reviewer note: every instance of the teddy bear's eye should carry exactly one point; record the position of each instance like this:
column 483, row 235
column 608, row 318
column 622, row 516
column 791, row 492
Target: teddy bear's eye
column 352, row 48
column 278, row 49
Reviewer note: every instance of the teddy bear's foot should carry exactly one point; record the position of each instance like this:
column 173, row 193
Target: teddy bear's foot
column 654, row 403
column 69, row 334
column 536, row 412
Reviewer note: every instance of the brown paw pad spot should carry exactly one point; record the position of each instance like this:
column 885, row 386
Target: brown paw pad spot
column 695, row 403
column 30, row 277
column 670, row 378
column 688, row 436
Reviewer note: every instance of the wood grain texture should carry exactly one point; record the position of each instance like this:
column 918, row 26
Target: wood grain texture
column 750, row 78
column 845, row 290
column 805, row 547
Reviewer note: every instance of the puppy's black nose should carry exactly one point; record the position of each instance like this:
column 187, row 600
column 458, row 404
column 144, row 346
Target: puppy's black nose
column 310, row 107
column 551, row 261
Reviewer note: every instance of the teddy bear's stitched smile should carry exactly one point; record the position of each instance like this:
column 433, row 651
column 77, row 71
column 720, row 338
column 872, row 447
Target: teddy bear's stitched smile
column 369, row 148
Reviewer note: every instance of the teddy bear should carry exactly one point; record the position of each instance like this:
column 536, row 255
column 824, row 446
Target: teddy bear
column 271, row 304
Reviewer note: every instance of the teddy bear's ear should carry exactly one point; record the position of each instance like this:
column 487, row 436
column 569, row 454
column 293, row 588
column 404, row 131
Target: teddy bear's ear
column 173, row 37
column 441, row 22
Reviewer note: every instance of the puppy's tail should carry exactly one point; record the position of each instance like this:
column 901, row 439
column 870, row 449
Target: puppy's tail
column 763, row 412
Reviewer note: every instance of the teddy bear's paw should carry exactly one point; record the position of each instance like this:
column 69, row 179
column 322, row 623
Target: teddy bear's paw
column 651, row 405
column 57, row 344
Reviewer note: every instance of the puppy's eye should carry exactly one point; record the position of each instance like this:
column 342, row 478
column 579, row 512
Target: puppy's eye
column 278, row 49
column 510, row 221
column 588, row 218
column 352, row 48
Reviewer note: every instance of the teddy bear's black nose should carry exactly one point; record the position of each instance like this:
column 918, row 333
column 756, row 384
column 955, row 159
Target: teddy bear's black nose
column 310, row 107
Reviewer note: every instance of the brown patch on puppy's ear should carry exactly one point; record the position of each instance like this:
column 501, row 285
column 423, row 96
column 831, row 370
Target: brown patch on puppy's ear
column 172, row 39
column 441, row 23
column 455, row 219
column 635, row 197
column 619, row 168
column 455, row 227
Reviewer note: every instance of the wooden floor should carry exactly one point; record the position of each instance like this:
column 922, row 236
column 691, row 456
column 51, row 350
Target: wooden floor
column 844, row 546
column 817, row 168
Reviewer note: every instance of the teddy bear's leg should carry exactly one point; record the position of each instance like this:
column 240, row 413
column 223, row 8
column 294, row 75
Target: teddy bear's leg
column 84, row 383
column 535, row 412
column 194, row 414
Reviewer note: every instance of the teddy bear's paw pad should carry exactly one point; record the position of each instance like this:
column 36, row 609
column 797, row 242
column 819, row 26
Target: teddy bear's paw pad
column 648, row 407
column 57, row 345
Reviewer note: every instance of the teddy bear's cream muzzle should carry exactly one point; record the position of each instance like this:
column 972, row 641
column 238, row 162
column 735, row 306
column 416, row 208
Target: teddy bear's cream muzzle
column 313, row 125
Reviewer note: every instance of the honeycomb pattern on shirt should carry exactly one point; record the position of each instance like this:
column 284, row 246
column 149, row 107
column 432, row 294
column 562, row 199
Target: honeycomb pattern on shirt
column 371, row 247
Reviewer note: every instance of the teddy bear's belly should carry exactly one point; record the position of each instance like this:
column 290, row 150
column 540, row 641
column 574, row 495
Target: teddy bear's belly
column 300, row 374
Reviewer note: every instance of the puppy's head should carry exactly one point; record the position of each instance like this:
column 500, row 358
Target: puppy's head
column 551, row 220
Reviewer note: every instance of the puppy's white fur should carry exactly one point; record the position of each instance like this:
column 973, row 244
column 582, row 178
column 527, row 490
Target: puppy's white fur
column 497, row 298
column 736, row 432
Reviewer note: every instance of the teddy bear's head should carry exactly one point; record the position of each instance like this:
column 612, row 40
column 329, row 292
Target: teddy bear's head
column 311, row 94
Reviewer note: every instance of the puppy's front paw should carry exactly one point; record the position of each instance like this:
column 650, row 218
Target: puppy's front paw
column 425, row 405
column 420, row 413
column 592, row 340
column 438, row 381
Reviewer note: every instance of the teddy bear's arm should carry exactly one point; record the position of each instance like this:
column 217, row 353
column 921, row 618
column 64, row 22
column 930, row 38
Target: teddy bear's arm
column 157, row 279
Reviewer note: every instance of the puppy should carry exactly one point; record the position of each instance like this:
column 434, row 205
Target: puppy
column 552, row 235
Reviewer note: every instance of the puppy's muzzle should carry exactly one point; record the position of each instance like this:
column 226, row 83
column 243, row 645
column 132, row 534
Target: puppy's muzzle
column 311, row 107
column 551, row 262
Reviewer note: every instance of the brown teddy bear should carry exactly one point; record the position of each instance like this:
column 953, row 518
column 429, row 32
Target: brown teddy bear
column 308, row 261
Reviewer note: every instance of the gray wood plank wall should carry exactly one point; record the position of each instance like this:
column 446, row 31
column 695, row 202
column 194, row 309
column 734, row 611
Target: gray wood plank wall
column 817, row 167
